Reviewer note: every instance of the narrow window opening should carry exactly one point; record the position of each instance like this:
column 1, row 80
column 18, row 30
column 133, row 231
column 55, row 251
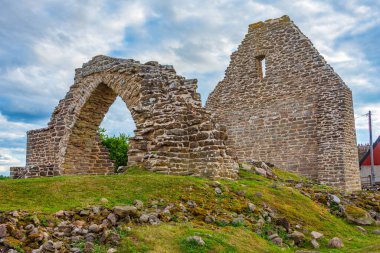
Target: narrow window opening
column 261, row 66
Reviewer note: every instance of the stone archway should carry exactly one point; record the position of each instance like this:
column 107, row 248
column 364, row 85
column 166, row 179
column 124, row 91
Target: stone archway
column 174, row 133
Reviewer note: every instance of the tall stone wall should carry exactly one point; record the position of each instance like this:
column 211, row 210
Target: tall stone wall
column 173, row 135
column 296, row 113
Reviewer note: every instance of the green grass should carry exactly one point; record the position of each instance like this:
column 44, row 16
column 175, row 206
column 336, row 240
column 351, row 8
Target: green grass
column 49, row 195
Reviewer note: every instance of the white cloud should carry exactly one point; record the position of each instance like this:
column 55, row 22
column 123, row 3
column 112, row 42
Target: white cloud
column 10, row 130
column 118, row 119
column 197, row 37
column 10, row 157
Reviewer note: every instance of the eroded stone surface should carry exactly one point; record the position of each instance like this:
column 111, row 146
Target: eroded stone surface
column 173, row 135
column 299, row 116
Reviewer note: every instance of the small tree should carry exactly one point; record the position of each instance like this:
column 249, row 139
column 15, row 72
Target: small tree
column 117, row 147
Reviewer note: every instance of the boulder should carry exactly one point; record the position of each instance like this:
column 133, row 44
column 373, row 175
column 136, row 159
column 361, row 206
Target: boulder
column 144, row 218
column 358, row 216
column 104, row 200
column 209, row 219
column 245, row 166
column 94, row 228
column 191, row 204
column 239, row 221
column 197, row 239
column 335, row 243
column 361, row 229
column 112, row 218
column 48, row 246
column 283, row 222
column 3, row 230
column 334, row 198
column 138, row 204
column 88, row 247
column 316, row 235
column 272, row 236
column 260, row 171
column 277, row 241
column 218, row 190
column 297, row 237
column 153, row 219
column 124, row 211
column 314, row 243
column 251, row 207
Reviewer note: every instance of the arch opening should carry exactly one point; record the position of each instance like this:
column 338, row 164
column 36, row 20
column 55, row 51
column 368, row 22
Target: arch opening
column 85, row 153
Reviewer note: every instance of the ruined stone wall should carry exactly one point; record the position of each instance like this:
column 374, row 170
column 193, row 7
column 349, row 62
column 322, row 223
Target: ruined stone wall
column 298, row 115
column 173, row 135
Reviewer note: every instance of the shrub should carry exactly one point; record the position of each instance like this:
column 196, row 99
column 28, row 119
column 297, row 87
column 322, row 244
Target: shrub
column 117, row 147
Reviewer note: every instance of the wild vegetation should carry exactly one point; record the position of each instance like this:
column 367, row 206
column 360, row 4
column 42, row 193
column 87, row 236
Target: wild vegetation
column 234, row 228
column 117, row 147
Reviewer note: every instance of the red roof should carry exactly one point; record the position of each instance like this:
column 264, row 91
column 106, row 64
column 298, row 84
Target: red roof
column 366, row 160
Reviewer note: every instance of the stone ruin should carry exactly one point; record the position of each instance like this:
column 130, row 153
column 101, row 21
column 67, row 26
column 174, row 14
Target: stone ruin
column 173, row 135
column 279, row 102
column 296, row 113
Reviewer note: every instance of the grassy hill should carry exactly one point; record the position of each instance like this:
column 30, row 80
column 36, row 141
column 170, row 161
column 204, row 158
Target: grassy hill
column 46, row 196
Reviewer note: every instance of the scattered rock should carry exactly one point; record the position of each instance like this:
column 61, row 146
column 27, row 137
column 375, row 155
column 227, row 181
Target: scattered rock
column 112, row 218
column 376, row 231
column 113, row 239
column 94, row 228
column 57, row 245
column 298, row 237
column 358, row 216
column 218, row 190
column 251, row 207
column 75, row 250
column 361, row 229
column 122, row 169
column 60, row 214
column 314, row 243
column 260, row 171
column 154, row 220
column 138, row 204
column 209, row 219
column 334, row 198
column 96, row 209
column 283, row 222
column 48, row 246
column 3, row 230
column 245, row 166
column 238, row 221
column 191, row 204
column 104, row 200
column 272, row 236
column 196, row 239
column 277, row 241
column 79, row 223
column 335, row 243
column 316, row 235
column 124, row 211
column 144, row 218
column 88, row 247
column 111, row 250
column 84, row 212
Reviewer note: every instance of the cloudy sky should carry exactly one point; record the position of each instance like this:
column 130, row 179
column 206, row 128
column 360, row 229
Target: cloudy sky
column 43, row 41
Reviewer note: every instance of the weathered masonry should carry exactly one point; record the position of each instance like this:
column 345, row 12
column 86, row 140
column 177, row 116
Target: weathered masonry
column 282, row 103
column 174, row 133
